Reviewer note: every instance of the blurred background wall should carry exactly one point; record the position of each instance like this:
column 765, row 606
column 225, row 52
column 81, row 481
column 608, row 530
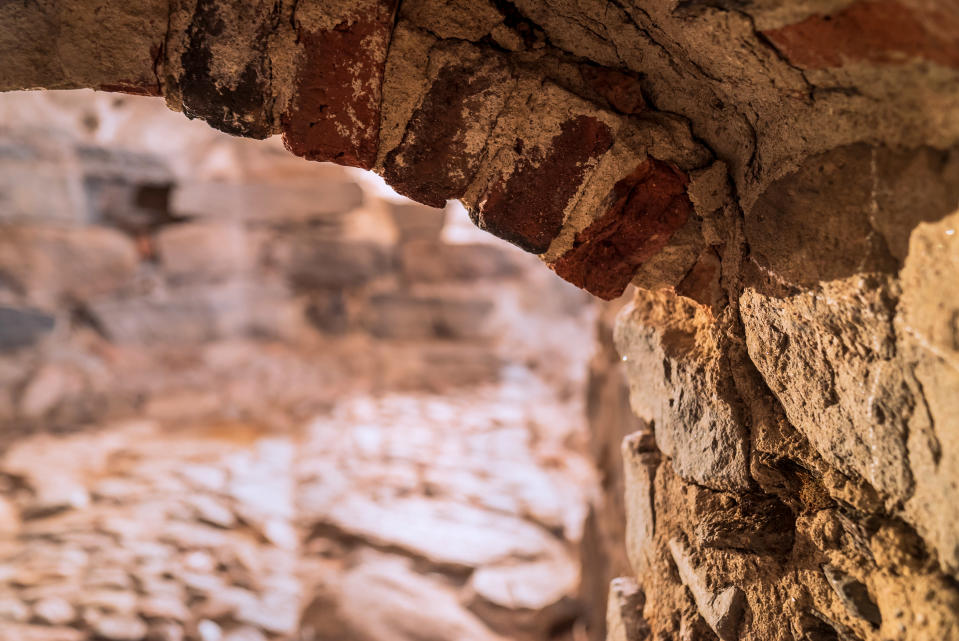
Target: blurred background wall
column 246, row 397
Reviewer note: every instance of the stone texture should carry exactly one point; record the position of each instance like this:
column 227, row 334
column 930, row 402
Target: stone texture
column 862, row 396
column 791, row 348
column 624, row 614
column 722, row 609
column 926, row 334
column 696, row 411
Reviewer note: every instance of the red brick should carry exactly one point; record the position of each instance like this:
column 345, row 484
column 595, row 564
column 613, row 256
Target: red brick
column 433, row 163
column 645, row 208
column 881, row 32
column 527, row 209
column 330, row 120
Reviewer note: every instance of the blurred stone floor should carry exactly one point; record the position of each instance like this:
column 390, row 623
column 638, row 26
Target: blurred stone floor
column 419, row 517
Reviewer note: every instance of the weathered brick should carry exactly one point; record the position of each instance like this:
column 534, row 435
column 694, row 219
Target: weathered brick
column 528, row 207
column 645, row 208
column 880, row 32
column 335, row 115
column 239, row 104
column 437, row 159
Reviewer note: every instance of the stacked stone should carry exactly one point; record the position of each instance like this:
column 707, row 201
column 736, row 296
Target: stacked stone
column 129, row 285
column 343, row 531
column 141, row 535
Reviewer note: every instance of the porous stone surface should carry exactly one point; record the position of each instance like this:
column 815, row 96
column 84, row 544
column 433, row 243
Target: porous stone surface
column 779, row 182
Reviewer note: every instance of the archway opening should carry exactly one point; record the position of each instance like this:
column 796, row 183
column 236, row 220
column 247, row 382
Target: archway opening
column 250, row 397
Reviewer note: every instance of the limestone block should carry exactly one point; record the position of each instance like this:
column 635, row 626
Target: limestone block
column 829, row 355
column 52, row 263
column 203, row 251
column 266, row 201
column 927, row 329
column 679, row 380
column 640, row 460
column 404, row 316
column 23, row 327
column 624, row 611
column 722, row 609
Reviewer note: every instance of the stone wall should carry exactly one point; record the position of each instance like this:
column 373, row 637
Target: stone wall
column 161, row 284
column 778, row 180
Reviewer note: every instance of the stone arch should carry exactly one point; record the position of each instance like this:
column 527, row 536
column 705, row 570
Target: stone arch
column 780, row 181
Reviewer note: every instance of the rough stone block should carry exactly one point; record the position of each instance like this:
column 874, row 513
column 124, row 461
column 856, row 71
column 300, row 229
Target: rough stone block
column 723, row 608
column 830, row 358
column 640, row 460
column 266, row 201
column 23, row 327
column 402, row 316
column 434, row 262
column 680, row 381
column 927, row 331
column 203, row 251
column 315, row 263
